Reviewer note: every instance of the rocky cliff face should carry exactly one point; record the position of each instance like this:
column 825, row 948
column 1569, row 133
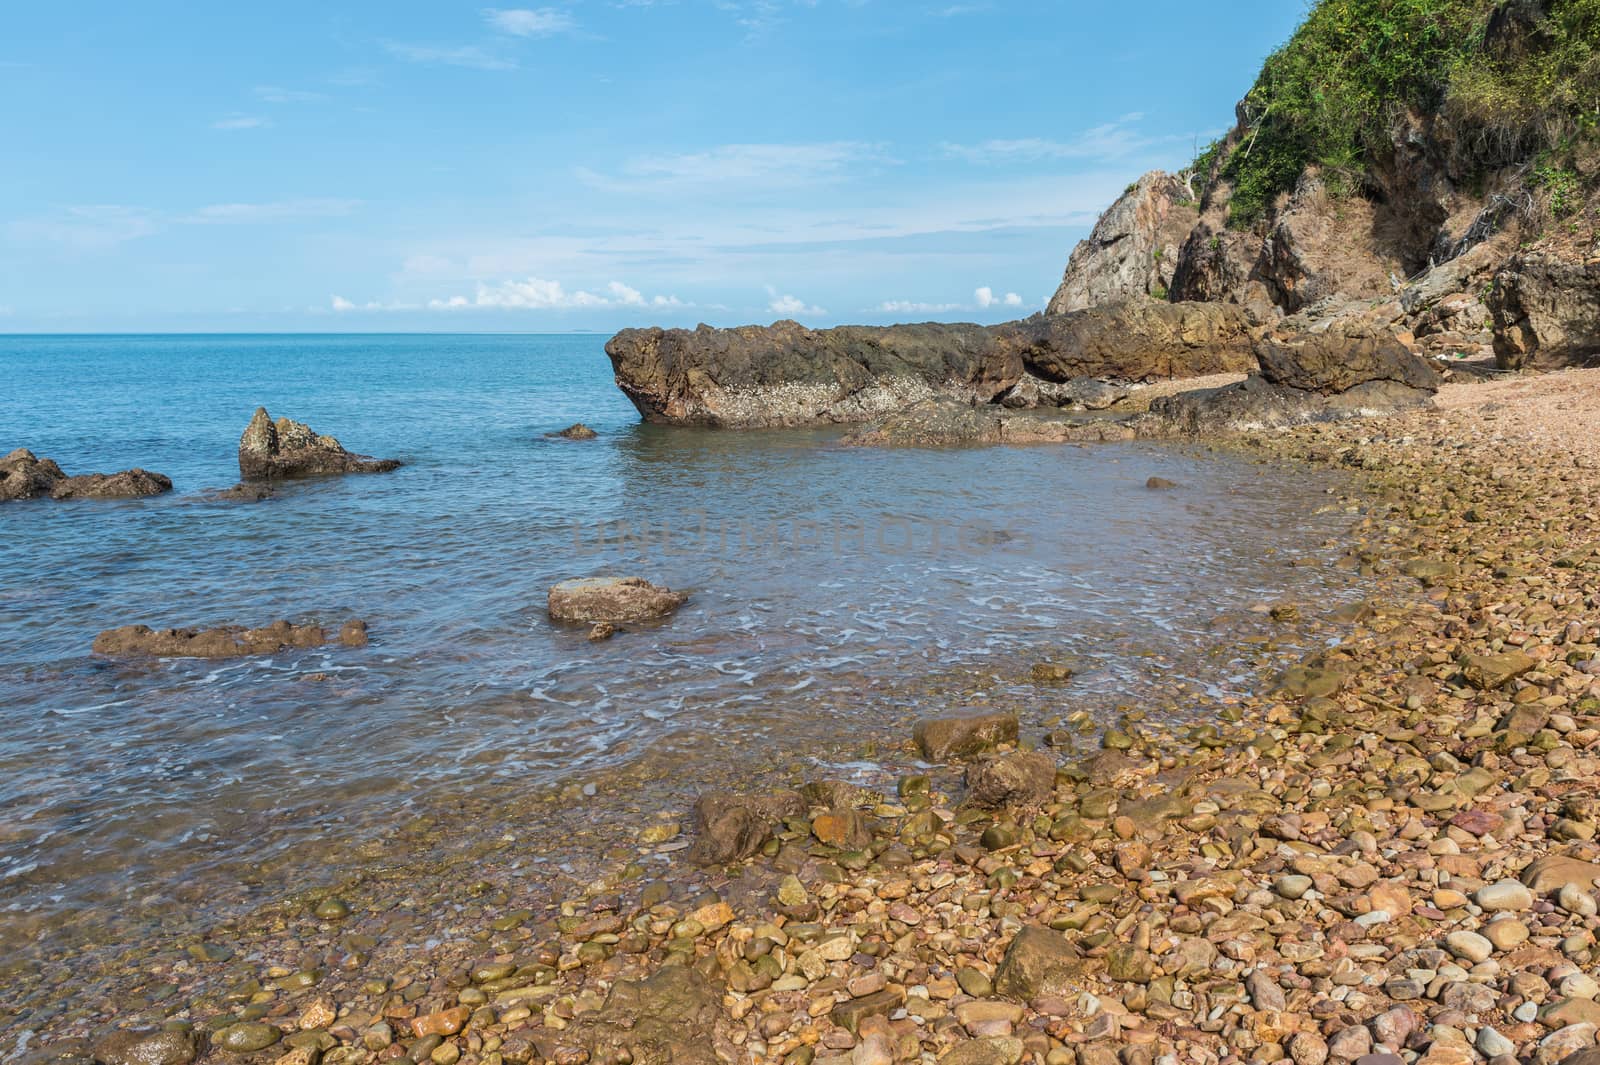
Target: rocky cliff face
column 1464, row 194
column 1134, row 246
column 788, row 375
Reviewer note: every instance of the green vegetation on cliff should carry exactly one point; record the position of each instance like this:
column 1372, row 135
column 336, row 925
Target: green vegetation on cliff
column 1515, row 77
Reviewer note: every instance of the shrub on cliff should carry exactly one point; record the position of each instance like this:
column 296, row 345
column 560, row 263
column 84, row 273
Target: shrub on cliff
column 1516, row 77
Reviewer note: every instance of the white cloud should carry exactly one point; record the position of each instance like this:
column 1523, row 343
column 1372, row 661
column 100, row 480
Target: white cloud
column 986, row 298
column 913, row 307
column 791, row 306
column 278, row 211
column 234, row 122
column 342, row 304
column 87, row 228
column 523, row 22
column 536, row 294
column 766, row 164
column 274, row 94
column 1108, row 141
column 465, row 55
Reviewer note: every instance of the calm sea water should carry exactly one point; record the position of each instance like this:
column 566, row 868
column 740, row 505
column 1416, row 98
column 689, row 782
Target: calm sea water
column 827, row 582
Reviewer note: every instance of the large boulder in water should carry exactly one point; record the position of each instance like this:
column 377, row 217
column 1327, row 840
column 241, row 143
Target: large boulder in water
column 23, row 475
column 1344, row 369
column 612, row 599
column 1546, row 312
column 270, row 450
column 786, row 374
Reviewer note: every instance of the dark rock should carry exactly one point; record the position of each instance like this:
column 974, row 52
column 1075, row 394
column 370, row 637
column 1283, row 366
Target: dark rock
column 729, row 827
column 1546, row 312
column 23, row 475
column 1133, row 247
column 576, row 431
column 241, row 493
column 147, row 1048
column 1338, row 359
column 1160, row 483
column 958, row 736
column 129, row 484
column 602, row 630
column 786, row 374
column 1024, row 778
column 232, row 641
column 272, row 450
column 1345, row 370
column 614, row 599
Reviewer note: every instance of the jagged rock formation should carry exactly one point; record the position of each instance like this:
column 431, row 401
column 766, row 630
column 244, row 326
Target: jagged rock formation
column 1134, row 246
column 786, row 374
column 23, row 475
column 273, row 450
column 1546, row 311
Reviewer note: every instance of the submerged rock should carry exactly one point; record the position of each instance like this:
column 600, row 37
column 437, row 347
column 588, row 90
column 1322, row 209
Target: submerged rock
column 241, row 493
column 956, row 736
column 575, row 431
column 23, row 475
column 590, row 600
column 946, row 422
column 147, row 1048
column 786, row 374
column 272, row 450
column 230, row 641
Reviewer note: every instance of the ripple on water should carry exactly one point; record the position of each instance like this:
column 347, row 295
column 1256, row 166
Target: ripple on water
column 834, row 591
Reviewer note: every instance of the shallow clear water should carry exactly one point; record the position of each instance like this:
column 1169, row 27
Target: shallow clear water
column 826, row 581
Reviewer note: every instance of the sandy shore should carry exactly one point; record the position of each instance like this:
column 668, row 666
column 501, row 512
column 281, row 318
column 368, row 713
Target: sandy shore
column 1388, row 855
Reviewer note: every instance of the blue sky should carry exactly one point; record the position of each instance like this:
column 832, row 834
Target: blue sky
column 583, row 165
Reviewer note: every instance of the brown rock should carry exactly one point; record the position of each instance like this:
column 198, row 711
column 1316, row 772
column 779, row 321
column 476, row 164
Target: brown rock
column 1039, row 961
column 129, row 484
column 730, row 827
column 959, row 736
column 1548, row 875
column 147, row 1048
column 615, row 599
column 272, row 450
column 230, row 641
column 444, row 1022
column 1022, row 778
column 576, row 431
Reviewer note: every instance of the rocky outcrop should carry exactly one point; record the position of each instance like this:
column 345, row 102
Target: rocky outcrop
column 1546, row 311
column 1133, row 248
column 274, row 450
column 1346, row 369
column 787, row 375
column 129, row 484
column 230, row 641
column 945, row 422
column 612, row 600
column 23, row 475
